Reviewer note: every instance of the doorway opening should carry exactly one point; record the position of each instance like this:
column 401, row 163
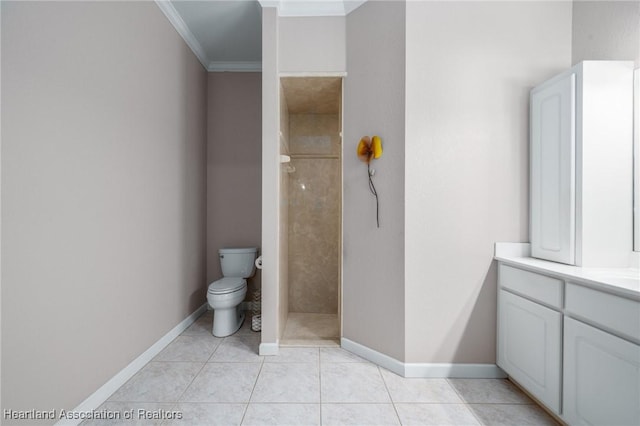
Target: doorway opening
column 311, row 211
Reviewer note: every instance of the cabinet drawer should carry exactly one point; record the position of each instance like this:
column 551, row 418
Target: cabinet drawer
column 617, row 314
column 535, row 286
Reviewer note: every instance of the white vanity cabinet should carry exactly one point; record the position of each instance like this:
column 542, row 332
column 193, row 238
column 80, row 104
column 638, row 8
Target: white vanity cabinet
column 572, row 343
column 581, row 128
column 529, row 333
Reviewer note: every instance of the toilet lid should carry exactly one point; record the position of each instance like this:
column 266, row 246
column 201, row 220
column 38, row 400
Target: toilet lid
column 226, row 285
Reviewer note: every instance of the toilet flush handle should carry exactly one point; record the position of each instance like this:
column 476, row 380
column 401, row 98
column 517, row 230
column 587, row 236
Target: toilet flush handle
column 259, row 262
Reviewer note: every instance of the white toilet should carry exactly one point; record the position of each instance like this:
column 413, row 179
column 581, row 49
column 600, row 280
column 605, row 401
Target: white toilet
column 226, row 294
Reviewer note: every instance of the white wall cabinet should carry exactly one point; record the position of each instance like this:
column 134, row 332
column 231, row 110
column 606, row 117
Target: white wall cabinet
column 553, row 172
column 601, row 377
column 530, row 346
column 581, row 133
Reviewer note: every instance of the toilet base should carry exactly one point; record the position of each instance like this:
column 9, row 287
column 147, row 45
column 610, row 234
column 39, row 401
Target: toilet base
column 227, row 321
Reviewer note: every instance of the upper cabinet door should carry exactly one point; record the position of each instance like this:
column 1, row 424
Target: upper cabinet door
column 553, row 170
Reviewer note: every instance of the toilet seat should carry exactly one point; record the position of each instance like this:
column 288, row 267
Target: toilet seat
column 226, row 285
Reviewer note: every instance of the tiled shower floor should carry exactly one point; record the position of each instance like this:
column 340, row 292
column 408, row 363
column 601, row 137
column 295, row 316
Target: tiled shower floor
column 304, row 329
column 214, row 381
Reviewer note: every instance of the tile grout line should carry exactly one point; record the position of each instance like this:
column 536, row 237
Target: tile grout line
column 393, row 403
column 320, row 384
column 246, row 409
column 466, row 405
column 217, row 347
column 244, row 412
column 190, row 383
column 176, row 403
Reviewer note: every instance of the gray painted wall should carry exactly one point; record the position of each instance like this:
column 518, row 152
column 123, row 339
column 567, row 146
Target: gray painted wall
column 604, row 30
column 103, row 193
column 311, row 44
column 271, row 299
column 422, row 288
column 373, row 262
column 234, row 166
column 470, row 66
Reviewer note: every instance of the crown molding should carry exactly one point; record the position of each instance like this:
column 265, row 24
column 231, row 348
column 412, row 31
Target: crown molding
column 311, row 8
column 291, row 8
column 176, row 20
column 351, row 5
column 269, row 3
column 288, row 8
column 244, row 66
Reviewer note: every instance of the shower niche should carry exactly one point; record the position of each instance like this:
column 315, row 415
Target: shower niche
column 311, row 210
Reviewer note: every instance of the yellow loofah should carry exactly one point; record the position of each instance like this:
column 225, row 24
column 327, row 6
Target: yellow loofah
column 377, row 147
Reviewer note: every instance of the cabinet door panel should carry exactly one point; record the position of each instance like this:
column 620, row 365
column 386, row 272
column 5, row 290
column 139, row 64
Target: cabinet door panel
column 601, row 377
column 553, row 170
column 529, row 346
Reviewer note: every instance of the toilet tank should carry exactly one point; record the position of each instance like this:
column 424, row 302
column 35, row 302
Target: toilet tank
column 238, row 262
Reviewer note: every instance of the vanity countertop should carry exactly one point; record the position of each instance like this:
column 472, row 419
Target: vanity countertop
column 624, row 282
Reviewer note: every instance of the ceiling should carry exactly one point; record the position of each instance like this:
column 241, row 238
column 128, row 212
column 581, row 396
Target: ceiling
column 312, row 95
column 226, row 35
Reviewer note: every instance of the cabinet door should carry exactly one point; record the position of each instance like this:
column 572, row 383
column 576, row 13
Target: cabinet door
column 601, row 377
column 529, row 346
column 553, row 170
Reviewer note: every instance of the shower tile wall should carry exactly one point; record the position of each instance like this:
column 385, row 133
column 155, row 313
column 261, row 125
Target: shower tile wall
column 314, row 213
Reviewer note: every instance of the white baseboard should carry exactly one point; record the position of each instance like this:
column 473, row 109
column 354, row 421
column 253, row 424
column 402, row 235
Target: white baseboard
column 269, row 348
column 425, row 370
column 376, row 357
column 105, row 391
column 454, row 371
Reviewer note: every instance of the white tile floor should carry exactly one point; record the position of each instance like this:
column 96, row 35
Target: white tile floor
column 214, row 381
